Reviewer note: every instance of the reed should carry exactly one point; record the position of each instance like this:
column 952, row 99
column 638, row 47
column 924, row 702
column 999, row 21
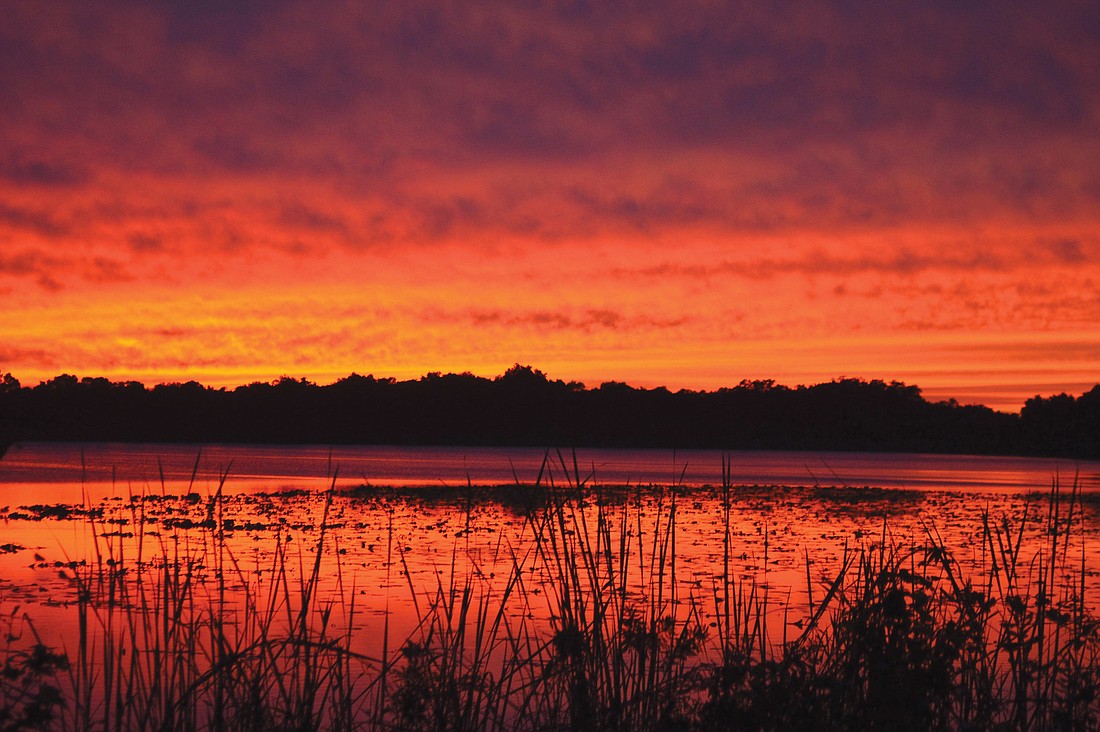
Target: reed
column 183, row 636
column 914, row 642
column 594, row 625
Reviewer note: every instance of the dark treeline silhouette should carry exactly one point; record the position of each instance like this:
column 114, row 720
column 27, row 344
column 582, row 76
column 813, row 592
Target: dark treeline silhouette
column 523, row 407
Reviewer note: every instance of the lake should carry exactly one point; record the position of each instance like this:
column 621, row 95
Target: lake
column 404, row 534
column 63, row 471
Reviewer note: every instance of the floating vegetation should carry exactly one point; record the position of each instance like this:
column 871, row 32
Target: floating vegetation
column 56, row 511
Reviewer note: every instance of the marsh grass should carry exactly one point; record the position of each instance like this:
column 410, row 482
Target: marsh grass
column 594, row 625
column 180, row 635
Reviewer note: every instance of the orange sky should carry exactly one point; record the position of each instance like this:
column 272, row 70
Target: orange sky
column 671, row 196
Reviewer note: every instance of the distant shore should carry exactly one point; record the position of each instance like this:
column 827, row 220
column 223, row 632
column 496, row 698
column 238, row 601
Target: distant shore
column 524, row 408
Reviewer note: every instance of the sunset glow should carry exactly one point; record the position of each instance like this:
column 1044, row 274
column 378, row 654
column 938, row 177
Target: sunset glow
column 679, row 196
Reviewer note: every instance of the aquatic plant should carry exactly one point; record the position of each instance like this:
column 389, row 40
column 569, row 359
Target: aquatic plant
column 183, row 636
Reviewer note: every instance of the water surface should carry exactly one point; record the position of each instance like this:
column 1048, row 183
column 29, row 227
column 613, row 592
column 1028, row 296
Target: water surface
column 794, row 517
column 64, row 471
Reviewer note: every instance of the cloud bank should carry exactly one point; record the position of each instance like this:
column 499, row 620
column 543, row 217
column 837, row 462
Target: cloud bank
column 789, row 171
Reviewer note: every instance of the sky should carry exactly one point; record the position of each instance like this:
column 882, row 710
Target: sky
column 684, row 194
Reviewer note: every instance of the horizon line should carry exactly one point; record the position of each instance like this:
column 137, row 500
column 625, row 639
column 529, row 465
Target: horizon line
column 743, row 383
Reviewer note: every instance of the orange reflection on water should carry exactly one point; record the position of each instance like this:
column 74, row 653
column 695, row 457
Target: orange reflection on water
column 385, row 555
column 369, row 579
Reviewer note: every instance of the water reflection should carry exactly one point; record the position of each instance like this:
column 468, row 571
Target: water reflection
column 378, row 558
column 264, row 467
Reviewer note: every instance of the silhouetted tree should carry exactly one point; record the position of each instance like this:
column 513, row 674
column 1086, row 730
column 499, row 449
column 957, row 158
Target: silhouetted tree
column 524, row 407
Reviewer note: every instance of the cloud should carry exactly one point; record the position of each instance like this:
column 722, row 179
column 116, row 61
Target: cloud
column 104, row 269
column 1024, row 351
column 298, row 216
column 567, row 168
column 145, row 242
column 238, row 153
column 43, row 269
column 554, row 123
column 1068, row 251
column 582, row 320
column 509, row 80
column 16, row 355
column 37, row 221
column 27, row 262
column 28, row 171
column 982, row 257
column 49, row 272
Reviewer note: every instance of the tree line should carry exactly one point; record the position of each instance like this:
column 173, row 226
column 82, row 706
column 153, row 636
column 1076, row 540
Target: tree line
column 523, row 407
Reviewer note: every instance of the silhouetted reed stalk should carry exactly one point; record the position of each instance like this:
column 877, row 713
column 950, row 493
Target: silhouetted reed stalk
column 593, row 625
column 182, row 636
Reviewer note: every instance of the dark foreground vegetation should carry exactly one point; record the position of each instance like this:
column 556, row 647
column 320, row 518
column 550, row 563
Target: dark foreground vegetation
column 177, row 636
column 525, row 408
